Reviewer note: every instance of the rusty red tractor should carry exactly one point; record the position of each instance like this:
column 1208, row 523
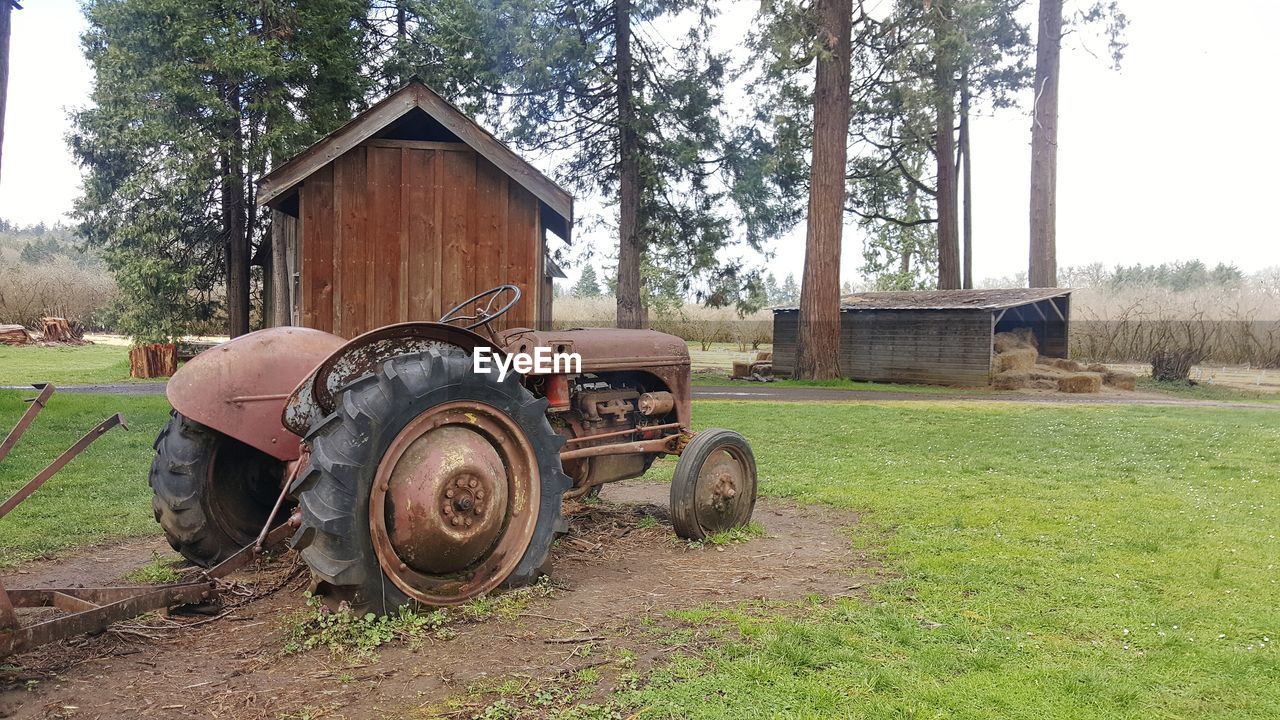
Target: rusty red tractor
column 410, row 478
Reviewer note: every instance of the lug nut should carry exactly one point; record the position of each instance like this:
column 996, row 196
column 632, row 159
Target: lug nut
column 448, row 509
column 468, row 522
column 448, row 493
column 455, row 520
column 473, row 482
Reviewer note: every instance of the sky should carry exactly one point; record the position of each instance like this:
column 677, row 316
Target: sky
column 1170, row 158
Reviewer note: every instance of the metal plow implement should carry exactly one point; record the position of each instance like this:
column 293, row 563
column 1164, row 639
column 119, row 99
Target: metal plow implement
column 81, row 610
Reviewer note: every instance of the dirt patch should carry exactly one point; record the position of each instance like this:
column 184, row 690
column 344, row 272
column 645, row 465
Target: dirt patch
column 99, row 565
column 617, row 573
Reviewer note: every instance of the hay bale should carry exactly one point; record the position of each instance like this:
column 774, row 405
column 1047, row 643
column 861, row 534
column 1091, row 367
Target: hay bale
column 1096, row 367
column 1083, row 382
column 1015, row 359
column 764, row 356
column 1011, row 380
column 1061, row 364
column 1121, row 379
column 741, row 370
column 1017, row 339
column 1044, row 384
column 1047, row 372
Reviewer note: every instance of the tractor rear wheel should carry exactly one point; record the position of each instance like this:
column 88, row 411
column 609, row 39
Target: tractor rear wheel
column 714, row 485
column 212, row 493
column 429, row 485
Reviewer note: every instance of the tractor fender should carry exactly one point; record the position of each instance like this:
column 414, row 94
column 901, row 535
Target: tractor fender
column 314, row 397
column 240, row 387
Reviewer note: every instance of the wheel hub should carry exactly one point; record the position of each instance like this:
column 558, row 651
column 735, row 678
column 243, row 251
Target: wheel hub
column 720, row 490
column 454, row 503
column 446, row 500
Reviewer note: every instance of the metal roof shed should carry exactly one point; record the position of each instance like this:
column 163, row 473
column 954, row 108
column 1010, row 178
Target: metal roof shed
column 938, row 337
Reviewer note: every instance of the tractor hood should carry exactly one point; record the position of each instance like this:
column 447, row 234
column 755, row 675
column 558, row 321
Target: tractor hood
column 603, row 349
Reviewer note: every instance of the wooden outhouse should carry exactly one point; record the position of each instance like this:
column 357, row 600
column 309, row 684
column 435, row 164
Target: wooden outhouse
column 939, row 337
column 405, row 211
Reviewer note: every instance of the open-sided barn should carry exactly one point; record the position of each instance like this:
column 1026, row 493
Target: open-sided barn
column 940, row 337
column 405, row 211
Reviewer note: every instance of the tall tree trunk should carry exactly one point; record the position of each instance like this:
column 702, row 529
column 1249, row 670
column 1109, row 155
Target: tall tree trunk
column 630, row 248
column 281, row 283
column 6, row 10
column 967, row 180
column 945, row 152
column 233, row 222
column 818, row 340
column 1042, row 270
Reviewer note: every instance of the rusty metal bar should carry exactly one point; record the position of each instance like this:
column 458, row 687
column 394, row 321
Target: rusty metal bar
column 294, row 468
column 658, row 445
column 8, row 618
column 619, row 433
column 37, row 404
column 141, row 600
column 61, row 462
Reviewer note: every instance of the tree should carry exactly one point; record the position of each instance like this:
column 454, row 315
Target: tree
column 454, row 46
column 918, row 72
column 818, row 338
column 191, row 102
column 637, row 119
column 1042, row 269
column 588, row 286
column 790, row 291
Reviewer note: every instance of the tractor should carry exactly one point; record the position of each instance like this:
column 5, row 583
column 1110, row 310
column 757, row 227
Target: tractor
column 407, row 476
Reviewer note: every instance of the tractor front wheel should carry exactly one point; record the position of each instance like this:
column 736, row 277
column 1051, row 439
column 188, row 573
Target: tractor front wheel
column 714, row 486
column 212, row 493
column 429, row 485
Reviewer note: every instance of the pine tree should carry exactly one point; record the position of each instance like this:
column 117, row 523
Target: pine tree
column 637, row 119
column 191, row 103
column 587, row 286
column 790, row 291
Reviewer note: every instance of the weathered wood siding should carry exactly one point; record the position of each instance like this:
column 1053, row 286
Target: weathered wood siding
column 785, row 329
column 946, row 347
column 937, row 347
column 398, row 230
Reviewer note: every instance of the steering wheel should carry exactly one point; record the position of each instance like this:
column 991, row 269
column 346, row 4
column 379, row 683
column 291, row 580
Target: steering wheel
column 483, row 315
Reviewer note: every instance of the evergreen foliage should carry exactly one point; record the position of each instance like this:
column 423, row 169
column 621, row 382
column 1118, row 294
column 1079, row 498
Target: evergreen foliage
column 192, row 101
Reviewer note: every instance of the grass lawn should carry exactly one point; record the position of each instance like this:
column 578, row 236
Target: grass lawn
column 1202, row 391
column 68, row 365
column 1046, row 562
column 102, row 495
column 1042, row 561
